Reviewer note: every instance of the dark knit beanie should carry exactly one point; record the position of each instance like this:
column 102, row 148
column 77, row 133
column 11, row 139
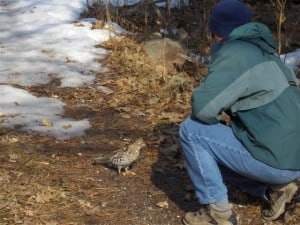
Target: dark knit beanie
column 227, row 15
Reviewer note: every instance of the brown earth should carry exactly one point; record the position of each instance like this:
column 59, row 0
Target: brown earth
column 51, row 182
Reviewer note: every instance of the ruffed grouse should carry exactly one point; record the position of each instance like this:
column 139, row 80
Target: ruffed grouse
column 123, row 158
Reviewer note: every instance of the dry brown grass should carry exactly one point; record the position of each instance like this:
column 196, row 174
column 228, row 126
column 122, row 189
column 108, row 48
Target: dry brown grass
column 155, row 88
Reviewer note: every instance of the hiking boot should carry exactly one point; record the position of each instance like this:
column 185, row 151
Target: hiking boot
column 296, row 198
column 210, row 217
column 278, row 197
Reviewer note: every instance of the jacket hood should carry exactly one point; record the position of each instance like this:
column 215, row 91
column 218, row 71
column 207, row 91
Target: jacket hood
column 255, row 33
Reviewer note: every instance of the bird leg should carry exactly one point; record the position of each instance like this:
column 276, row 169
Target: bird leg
column 119, row 170
column 125, row 171
column 128, row 172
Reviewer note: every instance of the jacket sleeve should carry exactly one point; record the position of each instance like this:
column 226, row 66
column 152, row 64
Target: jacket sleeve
column 218, row 92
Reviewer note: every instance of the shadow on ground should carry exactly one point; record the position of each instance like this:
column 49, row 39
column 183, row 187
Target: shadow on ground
column 168, row 173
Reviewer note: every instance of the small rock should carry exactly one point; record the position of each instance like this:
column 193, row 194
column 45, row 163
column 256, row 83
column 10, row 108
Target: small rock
column 166, row 52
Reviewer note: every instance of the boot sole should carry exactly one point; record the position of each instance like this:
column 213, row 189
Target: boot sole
column 187, row 223
column 281, row 210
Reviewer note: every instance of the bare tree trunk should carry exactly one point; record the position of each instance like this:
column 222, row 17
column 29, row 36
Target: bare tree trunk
column 107, row 3
column 280, row 7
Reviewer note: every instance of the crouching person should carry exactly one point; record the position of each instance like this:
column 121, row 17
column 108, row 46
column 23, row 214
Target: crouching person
column 245, row 124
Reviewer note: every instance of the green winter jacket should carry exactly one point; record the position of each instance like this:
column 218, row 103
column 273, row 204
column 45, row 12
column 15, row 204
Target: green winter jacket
column 248, row 80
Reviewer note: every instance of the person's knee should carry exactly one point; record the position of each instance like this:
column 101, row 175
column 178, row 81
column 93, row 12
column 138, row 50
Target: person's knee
column 188, row 129
column 184, row 129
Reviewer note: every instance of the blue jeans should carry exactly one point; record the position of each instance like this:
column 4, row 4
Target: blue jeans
column 214, row 154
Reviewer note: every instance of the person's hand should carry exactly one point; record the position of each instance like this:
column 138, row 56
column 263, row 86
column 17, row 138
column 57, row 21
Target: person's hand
column 226, row 118
column 187, row 112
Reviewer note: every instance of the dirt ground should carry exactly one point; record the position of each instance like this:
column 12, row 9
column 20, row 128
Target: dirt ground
column 50, row 182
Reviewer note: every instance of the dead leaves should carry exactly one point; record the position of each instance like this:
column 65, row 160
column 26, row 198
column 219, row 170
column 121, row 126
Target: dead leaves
column 46, row 123
column 84, row 203
column 144, row 88
column 13, row 158
column 41, row 197
column 163, row 204
column 19, row 204
column 172, row 117
column 105, row 90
